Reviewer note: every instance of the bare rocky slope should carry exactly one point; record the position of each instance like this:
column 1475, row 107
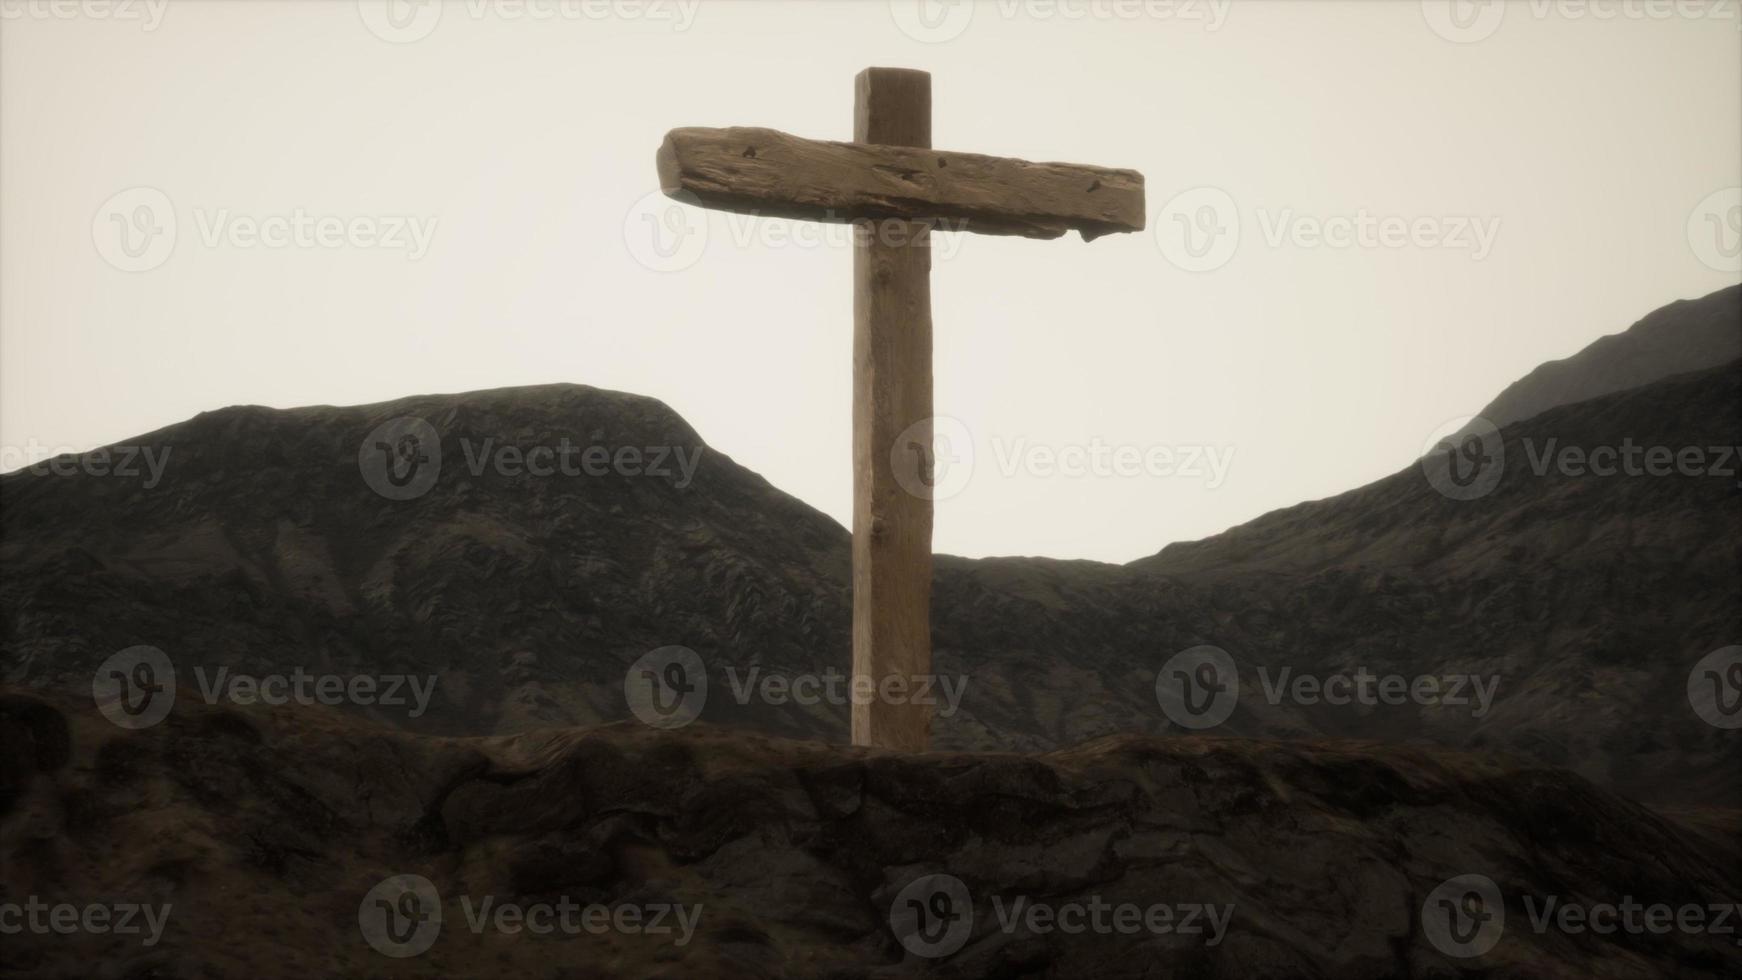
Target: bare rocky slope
column 262, row 548
column 1587, row 600
column 1687, row 335
column 266, row 831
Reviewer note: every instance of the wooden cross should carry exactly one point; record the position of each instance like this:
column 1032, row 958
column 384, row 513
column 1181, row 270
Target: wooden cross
column 893, row 187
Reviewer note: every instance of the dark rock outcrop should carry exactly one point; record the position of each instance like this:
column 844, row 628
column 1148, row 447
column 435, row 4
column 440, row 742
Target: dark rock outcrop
column 264, row 829
column 1585, row 599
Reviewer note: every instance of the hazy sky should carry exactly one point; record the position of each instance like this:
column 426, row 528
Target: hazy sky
column 1366, row 219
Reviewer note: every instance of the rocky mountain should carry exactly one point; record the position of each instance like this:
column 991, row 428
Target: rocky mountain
column 1687, row 335
column 565, row 533
column 408, row 658
column 296, row 842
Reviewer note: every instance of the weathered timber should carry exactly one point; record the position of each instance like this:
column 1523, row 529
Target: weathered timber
column 892, row 401
column 770, row 173
column 895, row 189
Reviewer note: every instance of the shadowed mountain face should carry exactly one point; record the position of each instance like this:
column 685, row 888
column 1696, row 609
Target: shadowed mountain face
column 269, row 842
column 1687, row 335
column 570, row 531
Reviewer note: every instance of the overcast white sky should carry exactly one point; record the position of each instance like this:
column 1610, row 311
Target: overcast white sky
column 1526, row 178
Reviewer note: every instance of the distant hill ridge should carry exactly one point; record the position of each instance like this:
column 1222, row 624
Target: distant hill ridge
column 264, row 549
column 1687, row 335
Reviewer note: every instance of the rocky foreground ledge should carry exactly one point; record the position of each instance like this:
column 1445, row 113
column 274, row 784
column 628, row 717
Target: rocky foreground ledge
column 229, row 842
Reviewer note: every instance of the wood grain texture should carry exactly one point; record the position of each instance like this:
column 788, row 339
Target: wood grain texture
column 892, row 408
column 770, row 173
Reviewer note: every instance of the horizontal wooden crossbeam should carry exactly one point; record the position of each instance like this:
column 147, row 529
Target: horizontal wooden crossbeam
column 773, row 174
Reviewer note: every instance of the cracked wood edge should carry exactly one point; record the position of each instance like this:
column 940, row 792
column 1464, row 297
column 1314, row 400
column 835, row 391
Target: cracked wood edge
column 769, row 173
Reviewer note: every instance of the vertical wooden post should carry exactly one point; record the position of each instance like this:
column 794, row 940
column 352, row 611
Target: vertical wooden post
column 892, row 397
